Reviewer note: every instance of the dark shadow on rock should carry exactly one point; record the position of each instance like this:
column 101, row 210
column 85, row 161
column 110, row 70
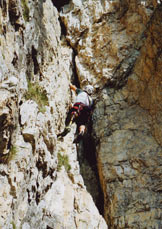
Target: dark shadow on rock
column 60, row 3
column 88, row 169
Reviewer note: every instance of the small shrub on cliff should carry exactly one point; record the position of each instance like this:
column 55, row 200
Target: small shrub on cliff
column 63, row 160
column 12, row 153
column 25, row 10
column 36, row 93
column 13, row 225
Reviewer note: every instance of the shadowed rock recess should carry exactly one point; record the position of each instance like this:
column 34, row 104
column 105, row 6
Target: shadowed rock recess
column 46, row 183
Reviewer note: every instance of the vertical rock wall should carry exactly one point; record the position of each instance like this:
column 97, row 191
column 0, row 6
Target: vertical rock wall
column 118, row 50
column 36, row 191
column 129, row 149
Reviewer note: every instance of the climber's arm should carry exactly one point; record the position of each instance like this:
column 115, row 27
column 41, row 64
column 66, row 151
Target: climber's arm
column 73, row 87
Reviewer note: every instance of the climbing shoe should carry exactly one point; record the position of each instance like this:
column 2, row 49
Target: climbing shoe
column 64, row 133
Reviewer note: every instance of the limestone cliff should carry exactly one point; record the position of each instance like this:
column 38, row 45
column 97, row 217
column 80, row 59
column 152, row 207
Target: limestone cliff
column 115, row 46
column 40, row 183
column 118, row 50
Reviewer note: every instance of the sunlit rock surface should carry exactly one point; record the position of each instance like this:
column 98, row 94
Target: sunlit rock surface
column 107, row 37
column 115, row 46
column 118, row 50
column 34, row 191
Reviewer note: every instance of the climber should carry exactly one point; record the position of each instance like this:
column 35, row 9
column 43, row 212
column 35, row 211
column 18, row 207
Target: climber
column 80, row 112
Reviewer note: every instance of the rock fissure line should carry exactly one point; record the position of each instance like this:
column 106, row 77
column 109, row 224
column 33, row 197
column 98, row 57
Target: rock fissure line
column 86, row 155
column 86, row 151
column 134, row 97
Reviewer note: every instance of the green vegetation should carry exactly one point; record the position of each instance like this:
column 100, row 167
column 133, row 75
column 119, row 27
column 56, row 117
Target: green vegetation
column 13, row 225
column 13, row 150
column 5, row 158
column 63, row 160
column 36, row 93
column 12, row 153
column 25, row 10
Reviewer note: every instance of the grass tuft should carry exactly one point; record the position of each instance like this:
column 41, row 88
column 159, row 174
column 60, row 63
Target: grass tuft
column 12, row 153
column 63, row 160
column 25, row 10
column 36, row 93
column 13, row 225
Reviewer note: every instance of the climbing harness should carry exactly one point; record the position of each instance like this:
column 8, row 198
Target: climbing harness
column 76, row 109
column 74, row 115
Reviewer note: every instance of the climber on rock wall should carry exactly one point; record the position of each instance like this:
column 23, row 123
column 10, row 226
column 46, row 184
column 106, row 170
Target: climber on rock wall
column 81, row 111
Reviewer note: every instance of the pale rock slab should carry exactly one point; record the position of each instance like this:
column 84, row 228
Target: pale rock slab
column 34, row 194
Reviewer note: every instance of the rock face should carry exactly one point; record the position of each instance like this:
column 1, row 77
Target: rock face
column 107, row 36
column 118, row 50
column 115, row 46
column 35, row 72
